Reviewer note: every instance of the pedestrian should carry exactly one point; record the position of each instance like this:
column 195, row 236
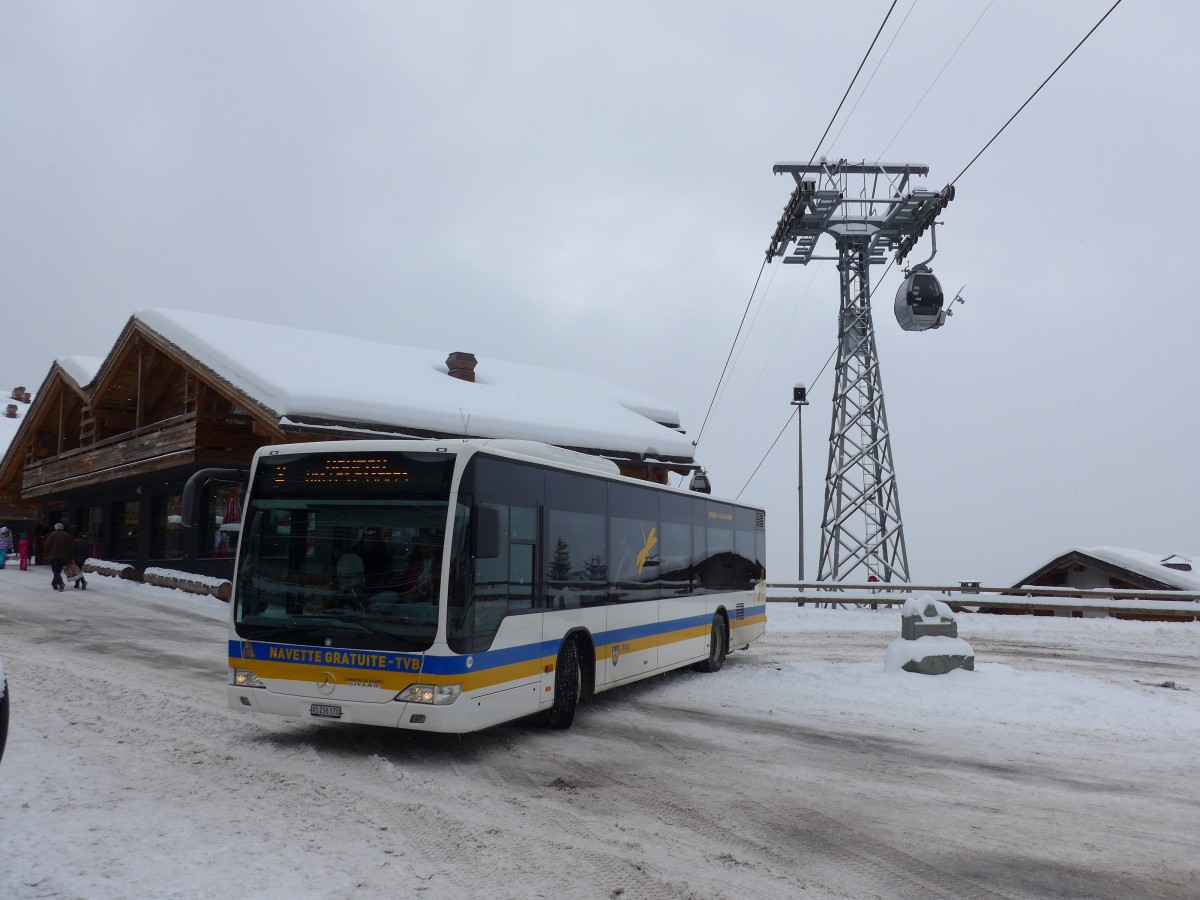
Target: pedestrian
column 5, row 544
column 57, row 551
column 81, row 550
column 23, row 549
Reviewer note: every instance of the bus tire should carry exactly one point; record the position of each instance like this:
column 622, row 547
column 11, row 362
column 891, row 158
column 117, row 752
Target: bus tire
column 567, row 679
column 716, row 646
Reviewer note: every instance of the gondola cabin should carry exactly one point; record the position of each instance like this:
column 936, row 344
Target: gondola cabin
column 919, row 301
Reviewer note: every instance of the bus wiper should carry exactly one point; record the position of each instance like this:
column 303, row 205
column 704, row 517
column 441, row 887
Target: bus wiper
column 368, row 625
column 262, row 631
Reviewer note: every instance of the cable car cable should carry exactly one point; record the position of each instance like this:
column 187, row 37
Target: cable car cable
column 716, row 390
column 770, row 356
column 1064, row 61
column 874, row 72
column 935, row 80
column 850, row 86
column 795, row 410
column 811, row 385
column 920, row 299
column 1035, row 93
column 1011, row 118
column 833, row 118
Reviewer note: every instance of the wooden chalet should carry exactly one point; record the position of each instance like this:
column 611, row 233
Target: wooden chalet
column 109, row 456
column 1111, row 569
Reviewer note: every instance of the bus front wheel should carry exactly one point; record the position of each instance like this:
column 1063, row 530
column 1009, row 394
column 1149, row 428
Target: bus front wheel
column 716, row 646
column 567, row 679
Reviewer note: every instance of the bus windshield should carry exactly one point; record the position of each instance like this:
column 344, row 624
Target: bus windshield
column 346, row 546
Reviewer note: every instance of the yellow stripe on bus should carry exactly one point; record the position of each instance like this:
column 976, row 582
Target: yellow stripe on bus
column 395, row 681
column 684, row 634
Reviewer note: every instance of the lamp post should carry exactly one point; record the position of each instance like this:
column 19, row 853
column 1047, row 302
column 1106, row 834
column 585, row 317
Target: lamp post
column 800, row 400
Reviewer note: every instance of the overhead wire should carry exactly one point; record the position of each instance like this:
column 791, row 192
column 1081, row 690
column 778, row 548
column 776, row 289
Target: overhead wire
column 769, row 357
column 936, row 77
column 1036, row 92
column 874, row 72
column 956, row 178
column 832, row 119
column 850, row 86
column 729, row 355
column 795, row 410
column 811, row 385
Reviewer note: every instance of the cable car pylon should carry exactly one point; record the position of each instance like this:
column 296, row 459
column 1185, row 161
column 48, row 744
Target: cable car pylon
column 870, row 210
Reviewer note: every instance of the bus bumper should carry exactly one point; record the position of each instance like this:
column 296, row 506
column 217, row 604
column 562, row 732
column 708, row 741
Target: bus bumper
column 468, row 713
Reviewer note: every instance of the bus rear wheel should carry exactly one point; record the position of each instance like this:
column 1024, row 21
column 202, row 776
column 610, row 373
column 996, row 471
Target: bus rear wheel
column 716, row 646
column 567, row 679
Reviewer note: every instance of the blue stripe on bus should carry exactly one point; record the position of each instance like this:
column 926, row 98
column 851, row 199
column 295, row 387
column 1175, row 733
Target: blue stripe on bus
column 486, row 659
column 382, row 660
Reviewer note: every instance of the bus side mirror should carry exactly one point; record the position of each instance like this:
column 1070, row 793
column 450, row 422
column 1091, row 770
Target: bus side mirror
column 191, row 490
column 487, row 532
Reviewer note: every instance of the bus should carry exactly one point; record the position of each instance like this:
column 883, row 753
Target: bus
column 453, row 585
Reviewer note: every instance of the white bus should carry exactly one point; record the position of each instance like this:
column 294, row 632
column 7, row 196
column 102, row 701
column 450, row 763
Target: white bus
column 452, row 585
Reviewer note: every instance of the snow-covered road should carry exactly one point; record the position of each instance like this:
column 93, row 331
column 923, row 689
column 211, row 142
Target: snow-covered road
column 1058, row 768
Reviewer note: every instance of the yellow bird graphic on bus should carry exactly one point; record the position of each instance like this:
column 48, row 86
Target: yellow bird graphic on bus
column 649, row 540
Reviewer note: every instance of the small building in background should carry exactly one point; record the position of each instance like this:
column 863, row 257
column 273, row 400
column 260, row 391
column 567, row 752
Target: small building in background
column 107, row 444
column 1113, row 569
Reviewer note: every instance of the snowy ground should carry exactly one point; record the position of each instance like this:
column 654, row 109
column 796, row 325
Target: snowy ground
column 1058, row 768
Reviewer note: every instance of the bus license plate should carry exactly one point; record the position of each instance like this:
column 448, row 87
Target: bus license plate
column 329, row 712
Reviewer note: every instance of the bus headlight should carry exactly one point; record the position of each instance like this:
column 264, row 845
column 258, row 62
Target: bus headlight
column 436, row 694
column 246, row 678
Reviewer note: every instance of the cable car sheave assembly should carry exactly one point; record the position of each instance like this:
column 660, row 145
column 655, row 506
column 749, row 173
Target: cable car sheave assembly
column 870, row 210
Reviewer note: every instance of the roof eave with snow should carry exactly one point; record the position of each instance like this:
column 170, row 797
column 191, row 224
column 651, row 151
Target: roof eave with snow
column 360, row 385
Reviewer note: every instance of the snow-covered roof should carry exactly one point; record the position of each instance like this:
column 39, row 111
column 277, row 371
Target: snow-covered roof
column 8, row 427
column 308, row 375
column 1150, row 565
column 82, row 369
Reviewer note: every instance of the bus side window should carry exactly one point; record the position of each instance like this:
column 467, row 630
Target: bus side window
column 576, row 546
column 634, row 541
column 675, row 565
column 486, row 522
column 720, row 567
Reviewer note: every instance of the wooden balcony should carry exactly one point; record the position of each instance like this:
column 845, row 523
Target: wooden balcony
column 154, row 447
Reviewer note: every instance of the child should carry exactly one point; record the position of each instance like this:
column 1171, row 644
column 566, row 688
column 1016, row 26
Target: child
column 80, row 551
column 23, row 549
column 5, row 544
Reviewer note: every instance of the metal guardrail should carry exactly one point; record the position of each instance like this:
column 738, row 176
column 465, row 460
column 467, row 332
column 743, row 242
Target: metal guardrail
column 1029, row 598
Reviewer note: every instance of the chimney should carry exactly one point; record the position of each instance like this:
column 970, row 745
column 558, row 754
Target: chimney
column 18, row 393
column 462, row 365
column 11, row 410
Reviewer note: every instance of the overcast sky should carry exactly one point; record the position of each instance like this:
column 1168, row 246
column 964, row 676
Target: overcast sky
column 589, row 186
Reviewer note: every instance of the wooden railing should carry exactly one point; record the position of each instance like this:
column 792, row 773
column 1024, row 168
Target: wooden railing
column 162, row 444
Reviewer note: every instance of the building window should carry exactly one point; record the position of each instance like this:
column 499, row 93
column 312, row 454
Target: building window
column 94, row 531
column 167, row 536
column 124, row 544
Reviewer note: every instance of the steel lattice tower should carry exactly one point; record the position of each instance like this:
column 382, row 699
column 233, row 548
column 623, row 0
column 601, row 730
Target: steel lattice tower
column 861, row 528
